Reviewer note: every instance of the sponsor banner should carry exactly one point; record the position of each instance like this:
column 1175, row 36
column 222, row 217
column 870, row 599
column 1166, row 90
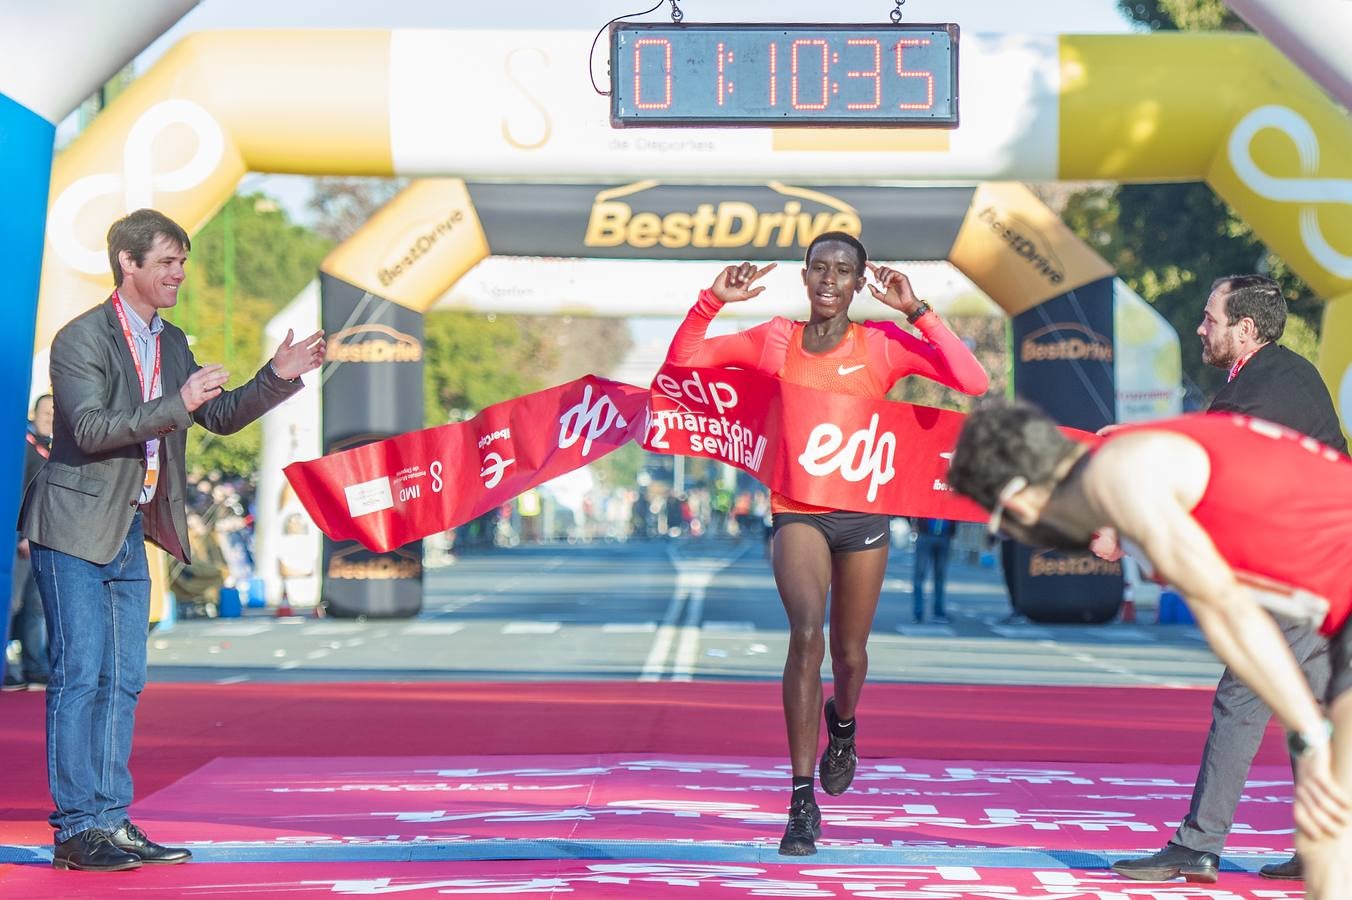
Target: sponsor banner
column 1017, row 250
column 1064, row 353
column 416, row 246
column 895, row 804
column 869, row 455
column 392, row 491
column 1063, row 356
column 1147, row 361
column 1266, row 137
column 373, row 388
column 652, row 220
column 1335, row 355
column 176, row 142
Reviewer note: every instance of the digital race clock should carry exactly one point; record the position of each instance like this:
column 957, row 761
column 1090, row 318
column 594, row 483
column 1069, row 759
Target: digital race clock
column 783, row 74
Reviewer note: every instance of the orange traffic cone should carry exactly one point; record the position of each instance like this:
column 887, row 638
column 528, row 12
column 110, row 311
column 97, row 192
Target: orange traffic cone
column 284, row 608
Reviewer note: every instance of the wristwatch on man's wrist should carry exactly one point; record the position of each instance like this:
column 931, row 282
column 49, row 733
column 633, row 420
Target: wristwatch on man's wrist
column 1301, row 743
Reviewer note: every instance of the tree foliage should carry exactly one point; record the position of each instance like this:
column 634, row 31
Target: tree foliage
column 273, row 260
column 1181, row 15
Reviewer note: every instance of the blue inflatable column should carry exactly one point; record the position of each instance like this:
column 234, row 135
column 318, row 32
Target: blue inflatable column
column 26, row 140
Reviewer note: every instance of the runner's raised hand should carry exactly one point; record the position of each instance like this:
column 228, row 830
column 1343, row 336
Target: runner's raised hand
column 733, row 284
column 897, row 291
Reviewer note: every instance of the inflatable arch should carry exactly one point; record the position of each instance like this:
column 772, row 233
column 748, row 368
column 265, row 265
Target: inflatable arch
column 46, row 71
column 1064, row 300
column 1225, row 108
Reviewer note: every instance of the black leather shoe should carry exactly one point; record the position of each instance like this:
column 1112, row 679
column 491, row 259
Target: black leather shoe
column 1291, row 870
column 134, row 841
column 92, row 851
column 1170, row 863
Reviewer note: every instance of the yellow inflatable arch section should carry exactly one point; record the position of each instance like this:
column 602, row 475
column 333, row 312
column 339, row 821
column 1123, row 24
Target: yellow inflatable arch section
column 1224, row 108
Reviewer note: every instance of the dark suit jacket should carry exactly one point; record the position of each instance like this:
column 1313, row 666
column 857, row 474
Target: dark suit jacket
column 1282, row 386
column 82, row 501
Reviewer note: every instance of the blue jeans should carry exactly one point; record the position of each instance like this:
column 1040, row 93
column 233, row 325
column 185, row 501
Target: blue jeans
column 27, row 625
column 930, row 550
column 97, row 624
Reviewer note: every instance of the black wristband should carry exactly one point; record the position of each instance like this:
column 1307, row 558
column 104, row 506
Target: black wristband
column 919, row 311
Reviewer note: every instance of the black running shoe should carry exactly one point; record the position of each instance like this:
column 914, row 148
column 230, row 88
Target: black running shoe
column 805, row 826
column 836, row 770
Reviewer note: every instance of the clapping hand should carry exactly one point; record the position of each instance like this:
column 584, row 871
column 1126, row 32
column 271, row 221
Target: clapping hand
column 293, row 360
column 203, row 385
column 896, row 290
column 733, row 284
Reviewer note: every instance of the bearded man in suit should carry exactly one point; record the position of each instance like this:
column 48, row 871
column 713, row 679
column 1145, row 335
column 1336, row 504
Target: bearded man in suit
column 1245, row 315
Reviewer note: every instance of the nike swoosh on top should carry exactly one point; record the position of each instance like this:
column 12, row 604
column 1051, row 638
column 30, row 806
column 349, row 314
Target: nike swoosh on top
column 868, row 541
column 843, row 370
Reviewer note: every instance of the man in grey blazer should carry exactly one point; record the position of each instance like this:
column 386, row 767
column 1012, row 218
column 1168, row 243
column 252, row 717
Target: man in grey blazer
column 1244, row 317
column 126, row 390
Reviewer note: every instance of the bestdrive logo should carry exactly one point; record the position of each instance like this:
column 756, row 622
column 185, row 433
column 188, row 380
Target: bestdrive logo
column 373, row 344
column 793, row 222
column 1065, row 340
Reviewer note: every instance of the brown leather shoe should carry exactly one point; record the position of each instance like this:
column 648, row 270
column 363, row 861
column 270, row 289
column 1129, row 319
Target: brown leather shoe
column 1170, row 863
column 1291, row 870
column 92, row 851
column 133, row 840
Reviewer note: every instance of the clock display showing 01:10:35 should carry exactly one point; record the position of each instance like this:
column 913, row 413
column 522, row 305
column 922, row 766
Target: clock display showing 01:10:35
column 784, row 74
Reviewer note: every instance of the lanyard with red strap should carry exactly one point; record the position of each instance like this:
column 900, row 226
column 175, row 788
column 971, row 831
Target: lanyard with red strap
column 42, row 449
column 154, row 390
column 1240, row 364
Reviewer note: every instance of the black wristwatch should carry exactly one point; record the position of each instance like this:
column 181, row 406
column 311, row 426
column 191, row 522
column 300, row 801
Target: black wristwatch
column 1302, row 742
column 918, row 312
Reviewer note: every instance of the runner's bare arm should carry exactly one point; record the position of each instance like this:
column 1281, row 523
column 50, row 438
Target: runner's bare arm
column 1153, row 512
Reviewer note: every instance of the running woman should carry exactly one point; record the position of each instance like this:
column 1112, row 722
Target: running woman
column 1239, row 514
column 819, row 551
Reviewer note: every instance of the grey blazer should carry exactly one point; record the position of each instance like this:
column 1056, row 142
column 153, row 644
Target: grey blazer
column 82, row 501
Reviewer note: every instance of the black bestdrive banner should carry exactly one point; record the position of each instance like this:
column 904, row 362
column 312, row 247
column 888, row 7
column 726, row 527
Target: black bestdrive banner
column 1063, row 361
column 373, row 389
column 647, row 219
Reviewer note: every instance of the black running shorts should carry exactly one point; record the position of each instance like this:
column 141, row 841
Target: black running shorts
column 1340, row 658
column 845, row 532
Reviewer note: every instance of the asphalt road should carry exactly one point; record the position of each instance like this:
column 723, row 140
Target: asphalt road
column 664, row 610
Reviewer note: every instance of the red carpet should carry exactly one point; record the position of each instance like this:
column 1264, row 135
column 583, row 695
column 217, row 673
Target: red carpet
column 181, row 727
column 211, row 763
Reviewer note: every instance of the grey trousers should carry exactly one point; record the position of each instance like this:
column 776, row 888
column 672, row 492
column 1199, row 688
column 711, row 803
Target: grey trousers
column 1238, row 720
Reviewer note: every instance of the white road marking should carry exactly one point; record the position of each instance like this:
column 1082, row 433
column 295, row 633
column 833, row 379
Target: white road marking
column 439, row 628
column 531, row 627
column 693, row 576
column 628, row 627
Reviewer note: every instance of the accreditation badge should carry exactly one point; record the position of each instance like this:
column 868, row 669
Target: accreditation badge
column 152, row 470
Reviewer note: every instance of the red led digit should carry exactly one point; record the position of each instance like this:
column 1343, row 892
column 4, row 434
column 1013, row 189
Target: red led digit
column 665, row 103
column 873, row 73
column 720, row 73
column 793, row 70
column 928, row 76
column 774, row 73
